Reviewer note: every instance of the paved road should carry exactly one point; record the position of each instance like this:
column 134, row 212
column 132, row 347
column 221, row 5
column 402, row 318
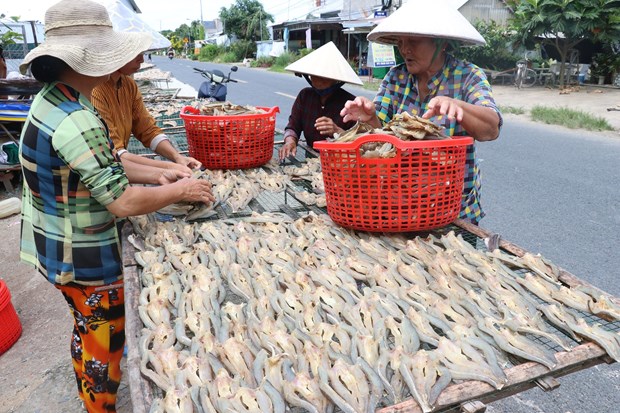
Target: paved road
column 255, row 87
column 548, row 189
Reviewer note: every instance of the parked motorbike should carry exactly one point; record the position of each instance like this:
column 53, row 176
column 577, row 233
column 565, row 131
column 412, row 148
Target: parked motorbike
column 214, row 88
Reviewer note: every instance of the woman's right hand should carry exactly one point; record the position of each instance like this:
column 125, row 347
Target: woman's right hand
column 360, row 109
column 196, row 190
column 288, row 149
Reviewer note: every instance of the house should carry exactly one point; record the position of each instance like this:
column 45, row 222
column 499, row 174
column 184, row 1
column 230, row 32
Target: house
column 347, row 23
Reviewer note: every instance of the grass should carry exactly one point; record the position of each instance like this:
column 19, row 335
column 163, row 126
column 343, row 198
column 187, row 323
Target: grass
column 512, row 109
column 574, row 119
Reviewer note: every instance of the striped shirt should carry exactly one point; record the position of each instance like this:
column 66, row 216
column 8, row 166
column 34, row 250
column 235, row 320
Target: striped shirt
column 70, row 174
column 459, row 80
column 119, row 102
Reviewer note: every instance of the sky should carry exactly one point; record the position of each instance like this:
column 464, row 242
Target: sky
column 160, row 14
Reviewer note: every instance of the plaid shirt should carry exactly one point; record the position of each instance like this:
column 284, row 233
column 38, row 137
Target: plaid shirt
column 307, row 109
column 459, row 80
column 70, row 174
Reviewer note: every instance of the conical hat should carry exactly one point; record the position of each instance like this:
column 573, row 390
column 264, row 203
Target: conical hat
column 437, row 19
column 327, row 62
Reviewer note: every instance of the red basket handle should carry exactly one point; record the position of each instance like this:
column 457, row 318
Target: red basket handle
column 192, row 111
column 398, row 143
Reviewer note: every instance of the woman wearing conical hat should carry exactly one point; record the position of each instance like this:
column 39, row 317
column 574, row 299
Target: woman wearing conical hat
column 316, row 111
column 434, row 84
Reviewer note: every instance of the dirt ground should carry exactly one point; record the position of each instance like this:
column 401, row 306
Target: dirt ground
column 36, row 374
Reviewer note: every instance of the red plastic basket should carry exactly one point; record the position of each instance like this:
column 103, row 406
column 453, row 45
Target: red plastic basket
column 417, row 190
column 230, row 142
column 10, row 327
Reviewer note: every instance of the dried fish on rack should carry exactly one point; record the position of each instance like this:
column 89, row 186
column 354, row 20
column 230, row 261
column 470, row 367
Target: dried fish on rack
column 266, row 312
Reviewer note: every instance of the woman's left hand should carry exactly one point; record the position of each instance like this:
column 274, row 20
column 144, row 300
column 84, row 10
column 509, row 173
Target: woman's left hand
column 326, row 126
column 170, row 175
column 443, row 105
column 189, row 162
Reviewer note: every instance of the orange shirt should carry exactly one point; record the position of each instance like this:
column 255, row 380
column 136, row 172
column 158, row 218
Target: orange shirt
column 121, row 106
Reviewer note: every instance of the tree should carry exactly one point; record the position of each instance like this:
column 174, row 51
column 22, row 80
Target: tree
column 246, row 19
column 9, row 36
column 496, row 54
column 565, row 23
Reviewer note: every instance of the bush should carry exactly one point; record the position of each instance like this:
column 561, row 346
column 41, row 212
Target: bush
column 243, row 49
column 264, row 61
column 209, row 52
column 286, row 59
column 496, row 54
column 228, row 57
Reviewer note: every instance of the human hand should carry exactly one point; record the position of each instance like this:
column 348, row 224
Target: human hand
column 196, row 190
column 188, row 161
column 444, row 105
column 360, row 109
column 288, row 149
column 326, row 126
column 168, row 176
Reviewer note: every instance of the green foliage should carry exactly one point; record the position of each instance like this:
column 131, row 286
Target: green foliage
column 496, row 54
column 9, row 37
column 605, row 64
column 246, row 19
column 512, row 109
column 263, row 61
column 574, row 119
column 286, row 59
column 209, row 52
column 243, row 49
column 228, row 57
column 303, row 52
column 564, row 23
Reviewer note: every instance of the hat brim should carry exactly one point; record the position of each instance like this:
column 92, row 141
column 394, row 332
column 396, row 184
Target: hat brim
column 97, row 56
column 439, row 20
column 326, row 62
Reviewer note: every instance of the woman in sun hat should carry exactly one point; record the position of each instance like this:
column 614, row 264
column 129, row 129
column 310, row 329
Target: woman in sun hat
column 75, row 188
column 434, row 84
column 316, row 110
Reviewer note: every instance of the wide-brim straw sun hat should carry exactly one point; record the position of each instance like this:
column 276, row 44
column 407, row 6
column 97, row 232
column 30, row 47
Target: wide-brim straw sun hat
column 436, row 19
column 327, row 62
column 80, row 33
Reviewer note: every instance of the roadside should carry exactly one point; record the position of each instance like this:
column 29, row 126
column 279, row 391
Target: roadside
column 36, row 374
column 594, row 100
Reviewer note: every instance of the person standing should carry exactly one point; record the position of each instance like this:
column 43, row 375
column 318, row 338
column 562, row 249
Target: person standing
column 434, row 84
column 119, row 102
column 316, row 110
column 75, row 188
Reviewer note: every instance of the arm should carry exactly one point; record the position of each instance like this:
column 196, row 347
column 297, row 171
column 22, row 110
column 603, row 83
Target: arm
column 293, row 129
column 141, row 173
column 361, row 109
column 480, row 122
column 477, row 113
column 138, row 200
column 154, row 163
column 165, row 149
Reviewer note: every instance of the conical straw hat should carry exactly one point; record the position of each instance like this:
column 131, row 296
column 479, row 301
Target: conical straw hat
column 327, row 62
column 437, row 19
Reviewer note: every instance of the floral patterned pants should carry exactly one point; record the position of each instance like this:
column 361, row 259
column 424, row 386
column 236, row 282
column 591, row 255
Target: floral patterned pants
column 97, row 342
